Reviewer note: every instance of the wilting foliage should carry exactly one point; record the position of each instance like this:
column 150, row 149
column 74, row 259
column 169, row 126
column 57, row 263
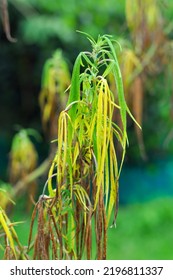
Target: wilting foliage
column 23, row 155
column 83, row 178
column 5, row 190
column 146, row 55
column 52, row 99
column 23, row 159
column 145, row 22
column 10, row 243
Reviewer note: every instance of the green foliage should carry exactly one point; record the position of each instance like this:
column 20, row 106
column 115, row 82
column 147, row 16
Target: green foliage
column 52, row 19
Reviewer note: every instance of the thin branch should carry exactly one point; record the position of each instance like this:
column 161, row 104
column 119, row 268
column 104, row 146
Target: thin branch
column 5, row 20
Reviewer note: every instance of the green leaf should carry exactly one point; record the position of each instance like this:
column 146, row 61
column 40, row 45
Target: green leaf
column 74, row 94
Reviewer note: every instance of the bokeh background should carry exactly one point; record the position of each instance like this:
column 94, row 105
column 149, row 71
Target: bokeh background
column 144, row 226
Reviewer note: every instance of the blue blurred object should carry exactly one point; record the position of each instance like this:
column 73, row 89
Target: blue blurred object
column 139, row 184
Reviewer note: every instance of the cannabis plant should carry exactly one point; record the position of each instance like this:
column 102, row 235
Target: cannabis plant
column 83, row 179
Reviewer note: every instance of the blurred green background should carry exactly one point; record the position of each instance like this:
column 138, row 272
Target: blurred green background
column 144, row 226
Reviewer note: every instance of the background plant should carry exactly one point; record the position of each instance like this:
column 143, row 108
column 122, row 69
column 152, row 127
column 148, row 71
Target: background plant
column 23, row 161
column 53, row 98
column 145, row 55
